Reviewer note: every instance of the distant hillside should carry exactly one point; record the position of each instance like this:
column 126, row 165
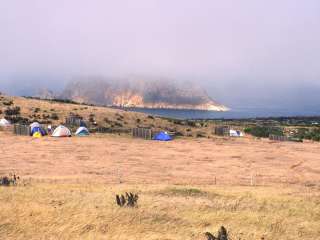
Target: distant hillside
column 141, row 94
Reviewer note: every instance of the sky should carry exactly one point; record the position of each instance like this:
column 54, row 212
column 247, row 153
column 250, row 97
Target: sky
column 245, row 53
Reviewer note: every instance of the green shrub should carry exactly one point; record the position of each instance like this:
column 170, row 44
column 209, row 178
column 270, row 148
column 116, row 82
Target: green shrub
column 264, row 132
column 310, row 134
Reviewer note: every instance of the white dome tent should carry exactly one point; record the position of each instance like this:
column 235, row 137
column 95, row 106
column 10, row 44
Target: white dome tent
column 4, row 122
column 235, row 133
column 61, row 131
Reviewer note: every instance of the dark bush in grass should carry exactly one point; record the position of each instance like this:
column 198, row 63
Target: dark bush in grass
column 222, row 234
column 191, row 123
column 178, row 122
column 92, row 118
column 45, row 116
column 8, row 103
column 54, row 116
column 129, row 200
column 117, row 124
column 14, row 111
column 36, row 110
column 107, row 121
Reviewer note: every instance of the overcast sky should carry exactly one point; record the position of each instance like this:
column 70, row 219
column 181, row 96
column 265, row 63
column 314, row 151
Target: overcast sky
column 245, row 52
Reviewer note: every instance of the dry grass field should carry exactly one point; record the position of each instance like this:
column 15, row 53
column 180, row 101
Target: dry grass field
column 107, row 157
column 186, row 187
column 88, row 211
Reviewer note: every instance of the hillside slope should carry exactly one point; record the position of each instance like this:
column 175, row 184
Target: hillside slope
column 52, row 112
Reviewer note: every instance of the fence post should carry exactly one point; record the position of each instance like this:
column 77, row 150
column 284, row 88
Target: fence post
column 251, row 179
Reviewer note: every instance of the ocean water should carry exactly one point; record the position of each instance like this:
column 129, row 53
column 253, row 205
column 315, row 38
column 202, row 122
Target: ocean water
column 239, row 113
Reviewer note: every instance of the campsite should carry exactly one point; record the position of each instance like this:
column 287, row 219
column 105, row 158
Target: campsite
column 191, row 178
column 160, row 120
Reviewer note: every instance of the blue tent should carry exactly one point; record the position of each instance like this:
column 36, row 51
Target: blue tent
column 38, row 129
column 162, row 136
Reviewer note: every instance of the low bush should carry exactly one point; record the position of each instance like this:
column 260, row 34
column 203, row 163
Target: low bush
column 12, row 111
column 8, row 103
column 54, row 116
column 263, row 132
column 36, row 110
column 222, row 234
column 178, row 122
column 45, row 116
column 191, row 123
column 91, row 117
column 129, row 200
column 117, row 124
column 310, row 134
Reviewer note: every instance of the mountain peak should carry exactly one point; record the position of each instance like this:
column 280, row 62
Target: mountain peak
column 141, row 93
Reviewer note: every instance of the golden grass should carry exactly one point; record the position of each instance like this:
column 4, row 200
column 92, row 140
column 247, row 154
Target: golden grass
column 83, row 211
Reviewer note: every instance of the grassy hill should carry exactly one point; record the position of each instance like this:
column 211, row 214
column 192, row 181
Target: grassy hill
column 27, row 110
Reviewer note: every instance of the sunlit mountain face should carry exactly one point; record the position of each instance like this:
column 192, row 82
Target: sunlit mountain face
column 141, row 93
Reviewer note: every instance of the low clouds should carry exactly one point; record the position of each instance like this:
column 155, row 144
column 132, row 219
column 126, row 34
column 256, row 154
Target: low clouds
column 257, row 47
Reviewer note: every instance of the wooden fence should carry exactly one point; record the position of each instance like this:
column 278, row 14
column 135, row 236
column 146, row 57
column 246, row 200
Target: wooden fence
column 75, row 121
column 19, row 129
column 109, row 130
column 278, row 138
column 222, row 130
column 145, row 133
